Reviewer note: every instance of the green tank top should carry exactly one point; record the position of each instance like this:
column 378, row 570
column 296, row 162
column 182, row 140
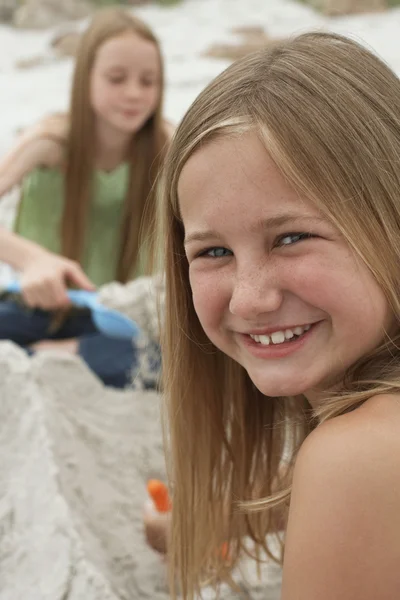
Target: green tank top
column 41, row 208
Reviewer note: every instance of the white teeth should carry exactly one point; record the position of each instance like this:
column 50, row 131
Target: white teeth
column 277, row 337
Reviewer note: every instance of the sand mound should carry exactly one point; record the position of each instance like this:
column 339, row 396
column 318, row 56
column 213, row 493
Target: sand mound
column 75, row 458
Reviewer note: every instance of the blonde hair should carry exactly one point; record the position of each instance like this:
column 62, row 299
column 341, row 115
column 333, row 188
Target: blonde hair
column 145, row 153
column 328, row 112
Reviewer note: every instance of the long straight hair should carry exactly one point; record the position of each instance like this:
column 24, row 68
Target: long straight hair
column 145, row 153
column 328, row 112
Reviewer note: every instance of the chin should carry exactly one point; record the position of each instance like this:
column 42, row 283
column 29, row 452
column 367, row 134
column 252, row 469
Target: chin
column 126, row 126
column 278, row 387
column 129, row 129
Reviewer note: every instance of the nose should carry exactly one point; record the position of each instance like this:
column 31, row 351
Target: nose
column 134, row 90
column 255, row 292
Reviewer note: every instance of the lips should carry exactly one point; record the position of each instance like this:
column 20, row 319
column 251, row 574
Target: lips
column 131, row 113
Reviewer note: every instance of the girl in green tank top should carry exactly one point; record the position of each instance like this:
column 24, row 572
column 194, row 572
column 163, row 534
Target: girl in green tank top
column 41, row 210
column 88, row 178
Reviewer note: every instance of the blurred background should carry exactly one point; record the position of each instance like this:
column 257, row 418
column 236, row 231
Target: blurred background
column 199, row 39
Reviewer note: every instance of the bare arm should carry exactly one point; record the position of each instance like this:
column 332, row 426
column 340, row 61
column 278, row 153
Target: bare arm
column 343, row 535
column 17, row 251
column 44, row 275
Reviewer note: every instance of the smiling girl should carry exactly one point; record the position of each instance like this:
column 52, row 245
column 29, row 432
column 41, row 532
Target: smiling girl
column 282, row 216
column 88, row 189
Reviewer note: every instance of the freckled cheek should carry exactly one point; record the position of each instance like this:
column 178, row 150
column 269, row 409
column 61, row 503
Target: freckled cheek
column 307, row 283
column 316, row 280
column 210, row 300
column 348, row 295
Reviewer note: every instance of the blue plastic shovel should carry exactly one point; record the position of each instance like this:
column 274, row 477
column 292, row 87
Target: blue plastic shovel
column 108, row 321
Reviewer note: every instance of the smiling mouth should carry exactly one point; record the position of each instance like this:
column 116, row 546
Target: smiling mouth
column 280, row 337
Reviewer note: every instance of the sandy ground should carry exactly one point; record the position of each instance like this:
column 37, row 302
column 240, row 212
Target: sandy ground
column 75, row 458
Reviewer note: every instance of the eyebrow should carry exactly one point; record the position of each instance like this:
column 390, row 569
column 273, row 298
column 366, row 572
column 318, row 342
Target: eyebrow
column 263, row 224
column 123, row 68
column 115, row 68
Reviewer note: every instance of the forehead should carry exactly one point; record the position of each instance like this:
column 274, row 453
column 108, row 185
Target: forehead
column 127, row 50
column 233, row 174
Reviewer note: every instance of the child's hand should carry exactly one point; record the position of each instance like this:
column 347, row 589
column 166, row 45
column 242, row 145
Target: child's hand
column 44, row 281
column 156, row 527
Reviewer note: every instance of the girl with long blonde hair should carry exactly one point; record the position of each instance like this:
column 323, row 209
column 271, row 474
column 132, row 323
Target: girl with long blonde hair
column 88, row 189
column 281, row 344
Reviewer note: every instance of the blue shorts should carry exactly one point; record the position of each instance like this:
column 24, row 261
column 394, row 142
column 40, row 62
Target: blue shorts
column 113, row 360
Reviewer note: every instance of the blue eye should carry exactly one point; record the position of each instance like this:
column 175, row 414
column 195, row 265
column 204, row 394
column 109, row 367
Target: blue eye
column 216, row 252
column 291, row 238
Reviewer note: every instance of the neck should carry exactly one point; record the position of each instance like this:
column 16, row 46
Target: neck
column 317, row 396
column 111, row 147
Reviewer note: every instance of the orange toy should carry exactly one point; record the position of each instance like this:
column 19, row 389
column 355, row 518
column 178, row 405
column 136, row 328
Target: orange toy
column 225, row 552
column 158, row 492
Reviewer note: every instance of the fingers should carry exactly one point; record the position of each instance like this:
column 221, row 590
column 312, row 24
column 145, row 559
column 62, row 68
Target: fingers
column 156, row 534
column 156, row 529
column 46, row 280
column 46, row 294
column 77, row 277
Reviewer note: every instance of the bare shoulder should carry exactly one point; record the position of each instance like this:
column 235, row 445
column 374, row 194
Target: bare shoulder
column 377, row 422
column 355, row 449
column 53, row 126
column 344, row 529
column 35, row 147
column 46, row 139
column 47, row 152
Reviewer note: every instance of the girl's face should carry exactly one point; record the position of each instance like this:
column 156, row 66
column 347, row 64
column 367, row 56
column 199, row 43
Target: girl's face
column 125, row 82
column 275, row 285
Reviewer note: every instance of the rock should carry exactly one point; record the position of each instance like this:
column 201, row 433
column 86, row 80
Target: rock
column 40, row 14
column 66, row 44
column 63, row 44
column 7, row 10
column 32, row 62
column 253, row 39
column 348, row 7
column 249, row 31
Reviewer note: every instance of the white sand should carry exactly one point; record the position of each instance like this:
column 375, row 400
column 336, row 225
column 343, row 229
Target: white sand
column 75, row 456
